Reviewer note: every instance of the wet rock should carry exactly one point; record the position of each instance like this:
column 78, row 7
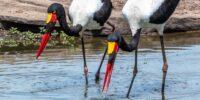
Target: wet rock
column 31, row 14
column 182, row 24
column 23, row 24
column 1, row 24
column 16, row 19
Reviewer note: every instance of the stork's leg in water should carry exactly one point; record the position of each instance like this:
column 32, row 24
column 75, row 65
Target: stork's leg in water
column 84, row 58
column 163, row 96
column 135, row 70
column 165, row 65
column 97, row 75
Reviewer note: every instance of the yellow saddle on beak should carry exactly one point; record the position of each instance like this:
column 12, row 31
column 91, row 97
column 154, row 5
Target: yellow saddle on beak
column 111, row 47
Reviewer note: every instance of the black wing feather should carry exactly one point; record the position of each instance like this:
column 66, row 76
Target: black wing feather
column 164, row 12
column 104, row 13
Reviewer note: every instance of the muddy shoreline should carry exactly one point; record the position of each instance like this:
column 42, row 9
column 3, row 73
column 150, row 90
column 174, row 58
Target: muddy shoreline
column 31, row 14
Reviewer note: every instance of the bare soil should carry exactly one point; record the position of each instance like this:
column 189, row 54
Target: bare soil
column 185, row 18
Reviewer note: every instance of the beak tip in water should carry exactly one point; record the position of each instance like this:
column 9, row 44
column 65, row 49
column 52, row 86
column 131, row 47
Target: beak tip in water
column 36, row 57
column 45, row 39
column 107, row 77
column 112, row 52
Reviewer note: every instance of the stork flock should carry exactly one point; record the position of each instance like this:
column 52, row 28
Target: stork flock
column 138, row 13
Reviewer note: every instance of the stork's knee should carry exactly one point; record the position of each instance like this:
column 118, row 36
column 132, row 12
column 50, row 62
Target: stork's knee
column 135, row 71
column 165, row 67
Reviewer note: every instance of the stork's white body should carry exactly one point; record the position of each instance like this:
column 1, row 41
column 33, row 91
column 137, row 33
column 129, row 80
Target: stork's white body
column 81, row 12
column 144, row 14
column 138, row 12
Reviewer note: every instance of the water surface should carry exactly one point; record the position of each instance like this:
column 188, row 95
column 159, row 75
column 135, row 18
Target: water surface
column 58, row 73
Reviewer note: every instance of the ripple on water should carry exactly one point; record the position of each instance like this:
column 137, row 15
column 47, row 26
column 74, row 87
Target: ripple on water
column 60, row 77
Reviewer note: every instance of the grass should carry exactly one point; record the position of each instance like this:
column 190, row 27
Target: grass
column 14, row 39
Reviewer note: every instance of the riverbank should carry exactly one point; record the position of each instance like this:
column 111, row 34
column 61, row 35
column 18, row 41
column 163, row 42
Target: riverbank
column 14, row 40
column 32, row 14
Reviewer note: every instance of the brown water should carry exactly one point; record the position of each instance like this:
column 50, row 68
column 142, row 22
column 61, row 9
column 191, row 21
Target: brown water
column 58, row 74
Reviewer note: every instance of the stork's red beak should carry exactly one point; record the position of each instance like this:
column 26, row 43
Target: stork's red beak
column 51, row 21
column 45, row 39
column 112, row 52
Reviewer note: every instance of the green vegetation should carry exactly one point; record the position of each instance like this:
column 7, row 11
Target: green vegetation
column 14, row 38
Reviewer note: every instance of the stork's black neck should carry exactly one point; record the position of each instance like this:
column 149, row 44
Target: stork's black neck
column 102, row 15
column 162, row 14
column 116, row 37
column 64, row 25
column 72, row 31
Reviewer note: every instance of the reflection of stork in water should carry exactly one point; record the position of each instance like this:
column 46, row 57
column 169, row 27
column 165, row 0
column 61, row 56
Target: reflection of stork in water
column 140, row 14
column 84, row 14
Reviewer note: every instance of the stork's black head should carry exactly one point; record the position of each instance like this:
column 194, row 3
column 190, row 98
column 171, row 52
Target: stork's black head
column 114, row 40
column 112, row 50
column 55, row 12
column 58, row 9
column 114, row 37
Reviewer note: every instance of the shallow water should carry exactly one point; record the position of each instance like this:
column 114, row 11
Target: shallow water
column 58, row 74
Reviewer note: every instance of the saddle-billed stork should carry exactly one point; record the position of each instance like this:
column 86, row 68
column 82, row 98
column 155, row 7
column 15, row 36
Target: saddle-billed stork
column 140, row 14
column 83, row 14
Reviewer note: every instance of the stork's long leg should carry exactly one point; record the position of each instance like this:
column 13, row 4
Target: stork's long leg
column 135, row 70
column 97, row 75
column 98, row 71
column 165, row 65
column 86, row 91
column 163, row 96
column 84, row 58
column 134, row 43
column 110, row 24
column 106, row 29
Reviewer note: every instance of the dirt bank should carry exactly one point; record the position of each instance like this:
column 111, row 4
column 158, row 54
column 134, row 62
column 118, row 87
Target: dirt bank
column 186, row 17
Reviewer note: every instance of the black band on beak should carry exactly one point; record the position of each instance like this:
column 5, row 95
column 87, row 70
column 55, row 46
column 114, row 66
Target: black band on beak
column 112, row 52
